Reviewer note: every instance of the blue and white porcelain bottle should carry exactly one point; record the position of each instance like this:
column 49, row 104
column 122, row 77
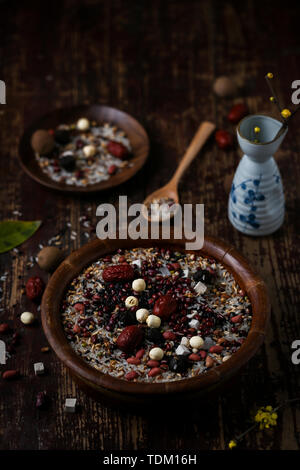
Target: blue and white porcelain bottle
column 256, row 200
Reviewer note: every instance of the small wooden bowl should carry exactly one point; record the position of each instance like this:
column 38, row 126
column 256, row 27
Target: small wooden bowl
column 120, row 391
column 136, row 133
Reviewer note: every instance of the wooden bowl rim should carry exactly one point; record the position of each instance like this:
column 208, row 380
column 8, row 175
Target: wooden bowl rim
column 112, row 182
column 222, row 252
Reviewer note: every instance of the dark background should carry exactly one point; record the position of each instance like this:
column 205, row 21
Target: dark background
column 156, row 60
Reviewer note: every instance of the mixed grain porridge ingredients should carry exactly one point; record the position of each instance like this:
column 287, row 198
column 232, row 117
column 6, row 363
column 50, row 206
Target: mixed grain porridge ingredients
column 155, row 315
column 82, row 153
column 161, row 208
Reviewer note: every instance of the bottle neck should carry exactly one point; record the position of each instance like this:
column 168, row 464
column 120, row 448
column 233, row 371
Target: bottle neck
column 259, row 158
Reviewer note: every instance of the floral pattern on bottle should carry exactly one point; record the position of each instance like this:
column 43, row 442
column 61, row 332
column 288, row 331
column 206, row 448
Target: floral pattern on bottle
column 250, row 196
column 277, row 178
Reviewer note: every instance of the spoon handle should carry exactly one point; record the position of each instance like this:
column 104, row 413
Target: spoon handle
column 204, row 131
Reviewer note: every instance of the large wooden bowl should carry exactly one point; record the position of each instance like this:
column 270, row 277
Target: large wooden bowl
column 136, row 133
column 139, row 393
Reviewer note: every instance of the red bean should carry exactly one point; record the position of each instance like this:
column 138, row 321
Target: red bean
column 216, row 349
column 152, row 363
column 131, row 375
column 4, row 327
column 194, row 357
column 133, row 360
column 155, row 371
column 10, row 374
column 236, row 319
column 140, row 354
column 169, row 335
column 76, row 329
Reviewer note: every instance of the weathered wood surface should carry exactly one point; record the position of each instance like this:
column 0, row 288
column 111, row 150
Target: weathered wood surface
column 157, row 60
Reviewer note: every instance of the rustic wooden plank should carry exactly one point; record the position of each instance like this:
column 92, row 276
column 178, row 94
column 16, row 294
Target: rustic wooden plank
column 156, row 60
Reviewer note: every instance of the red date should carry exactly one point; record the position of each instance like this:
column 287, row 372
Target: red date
column 34, row 288
column 165, row 306
column 237, row 112
column 224, row 139
column 117, row 149
column 130, row 338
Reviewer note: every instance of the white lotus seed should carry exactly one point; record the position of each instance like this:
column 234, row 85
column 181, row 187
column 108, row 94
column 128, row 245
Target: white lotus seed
column 142, row 314
column 185, row 341
column 89, row 150
column 196, row 342
column 156, row 354
column 27, row 318
column 153, row 321
column 138, row 285
column 83, row 124
column 131, row 302
column 225, row 358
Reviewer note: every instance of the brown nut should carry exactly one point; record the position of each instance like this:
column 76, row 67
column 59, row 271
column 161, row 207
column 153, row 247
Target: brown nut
column 42, row 142
column 49, row 258
column 224, row 86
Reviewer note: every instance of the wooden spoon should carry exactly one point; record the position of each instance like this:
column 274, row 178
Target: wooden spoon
column 170, row 190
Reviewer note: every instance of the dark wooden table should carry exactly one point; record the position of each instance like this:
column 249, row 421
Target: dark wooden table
column 156, row 60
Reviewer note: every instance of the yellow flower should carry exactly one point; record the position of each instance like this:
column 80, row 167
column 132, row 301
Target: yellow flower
column 286, row 113
column 266, row 417
column 272, row 99
column 270, row 75
column 232, row 444
column 257, row 130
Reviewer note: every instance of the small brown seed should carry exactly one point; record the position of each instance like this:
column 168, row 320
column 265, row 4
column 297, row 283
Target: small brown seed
column 209, row 362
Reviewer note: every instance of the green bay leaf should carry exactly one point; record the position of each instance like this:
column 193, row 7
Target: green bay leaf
column 15, row 232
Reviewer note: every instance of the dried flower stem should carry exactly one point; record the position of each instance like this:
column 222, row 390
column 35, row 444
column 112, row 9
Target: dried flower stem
column 282, row 405
column 276, row 100
column 295, row 111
